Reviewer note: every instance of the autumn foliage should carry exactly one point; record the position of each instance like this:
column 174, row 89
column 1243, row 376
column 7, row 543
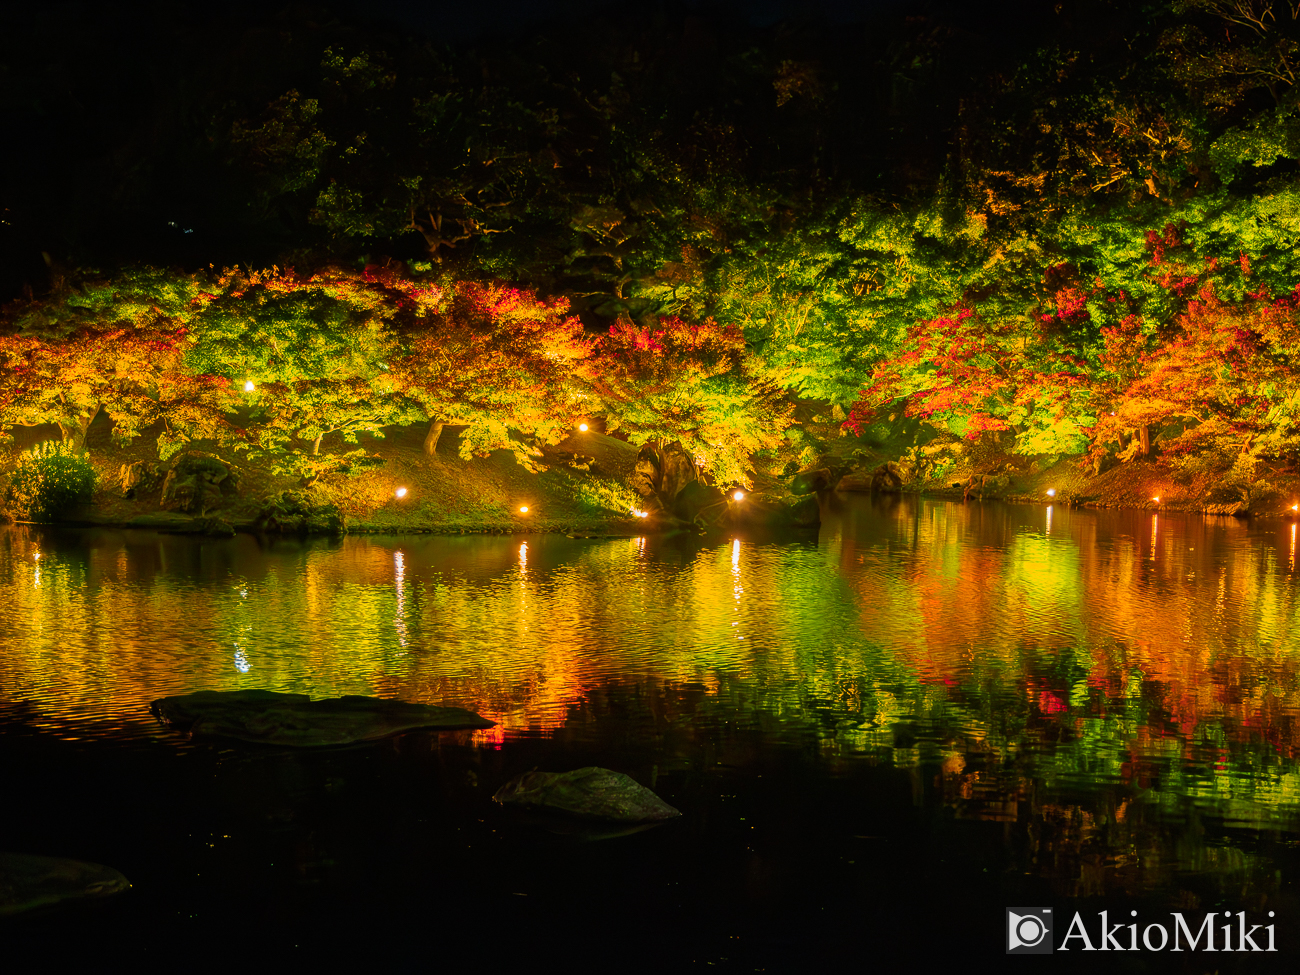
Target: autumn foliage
column 1209, row 361
column 292, row 368
column 673, row 381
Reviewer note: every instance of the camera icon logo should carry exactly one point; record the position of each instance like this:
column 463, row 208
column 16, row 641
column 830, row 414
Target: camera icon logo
column 1029, row 930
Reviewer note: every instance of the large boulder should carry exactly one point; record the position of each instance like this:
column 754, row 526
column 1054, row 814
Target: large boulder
column 29, row 882
column 143, row 475
column 198, row 482
column 810, row 482
column 699, row 503
column 295, row 719
column 588, row 793
column 805, row 513
column 887, row 479
column 663, row 472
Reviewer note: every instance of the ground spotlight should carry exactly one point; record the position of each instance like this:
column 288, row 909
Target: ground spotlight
column 738, row 496
column 400, row 492
column 248, row 386
column 582, row 427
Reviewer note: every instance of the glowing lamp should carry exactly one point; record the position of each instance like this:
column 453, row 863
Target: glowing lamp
column 738, row 496
column 400, row 492
column 1295, row 507
column 248, row 386
column 37, row 556
column 1156, row 499
column 582, row 427
column 523, row 509
column 1051, row 492
column 643, row 514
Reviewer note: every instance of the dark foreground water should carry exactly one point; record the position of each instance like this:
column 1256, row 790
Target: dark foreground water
column 881, row 737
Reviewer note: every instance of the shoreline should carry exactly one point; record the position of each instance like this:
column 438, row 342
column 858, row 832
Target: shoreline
column 583, row 486
column 613, row 528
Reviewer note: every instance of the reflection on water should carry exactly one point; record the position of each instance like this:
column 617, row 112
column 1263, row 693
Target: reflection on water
column 1104, row 684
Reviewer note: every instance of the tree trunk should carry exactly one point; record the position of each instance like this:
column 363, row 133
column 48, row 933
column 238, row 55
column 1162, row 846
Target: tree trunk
column 432, row 437
column 1144, row 432
column 75, row 433
column 315, row 447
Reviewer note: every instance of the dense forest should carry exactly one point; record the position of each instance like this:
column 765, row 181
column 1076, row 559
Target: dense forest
column 1058, row 228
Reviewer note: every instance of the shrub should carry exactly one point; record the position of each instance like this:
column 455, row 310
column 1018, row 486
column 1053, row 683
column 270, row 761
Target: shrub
column 50, row 479
column 300, row 513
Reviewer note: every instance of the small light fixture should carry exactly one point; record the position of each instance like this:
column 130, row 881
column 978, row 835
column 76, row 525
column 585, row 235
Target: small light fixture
column 400, row 492
column 37, row 556
column 738, row 496
column 248, row 386
column 1295, row 507
column 1051, row 492
column 1156, row 499
column 582, row 427
column 523, row 509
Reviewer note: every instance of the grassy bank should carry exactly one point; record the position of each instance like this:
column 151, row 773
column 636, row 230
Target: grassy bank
column 578, row 486
column 581, row 486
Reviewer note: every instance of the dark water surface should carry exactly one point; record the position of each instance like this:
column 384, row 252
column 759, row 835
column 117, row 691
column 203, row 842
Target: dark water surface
column 880, row 737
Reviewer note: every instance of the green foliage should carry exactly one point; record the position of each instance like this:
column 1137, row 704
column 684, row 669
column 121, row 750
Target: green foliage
column 687, row 383
column 49, row 480
column 597, row 494
column 301, row 512
column 316, row 351
column 1014, row 167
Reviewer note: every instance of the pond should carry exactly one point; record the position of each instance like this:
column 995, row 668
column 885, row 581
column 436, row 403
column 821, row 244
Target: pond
column 881, row 735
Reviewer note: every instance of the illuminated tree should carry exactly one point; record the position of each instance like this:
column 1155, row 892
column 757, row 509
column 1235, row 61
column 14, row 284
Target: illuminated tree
column 494, row 357
column 112, row 345
column 313, row 356
column 672, row 381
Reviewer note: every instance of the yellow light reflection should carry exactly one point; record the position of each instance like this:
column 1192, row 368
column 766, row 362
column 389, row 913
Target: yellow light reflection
column 737, row 590
column 399, row 615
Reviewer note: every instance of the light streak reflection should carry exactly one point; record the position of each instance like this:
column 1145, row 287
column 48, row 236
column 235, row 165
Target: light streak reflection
column 399, row 616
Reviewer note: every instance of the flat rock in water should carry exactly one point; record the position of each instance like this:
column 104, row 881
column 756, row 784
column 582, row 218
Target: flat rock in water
column 295, row 719
column 29, row 882
column 593, row 793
